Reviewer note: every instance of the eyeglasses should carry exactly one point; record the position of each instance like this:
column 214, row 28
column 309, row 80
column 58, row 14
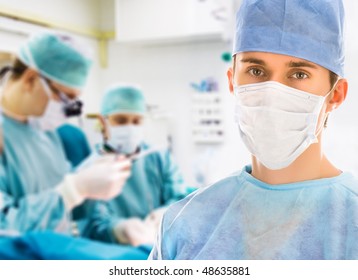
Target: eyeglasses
column 72, row 107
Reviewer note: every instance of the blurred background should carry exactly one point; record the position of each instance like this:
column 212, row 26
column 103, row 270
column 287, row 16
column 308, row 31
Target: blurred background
column 178, row 52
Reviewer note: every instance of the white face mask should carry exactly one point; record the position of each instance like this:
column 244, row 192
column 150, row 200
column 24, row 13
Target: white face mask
column 126, row 138
column 277, row 123
column 54, row 115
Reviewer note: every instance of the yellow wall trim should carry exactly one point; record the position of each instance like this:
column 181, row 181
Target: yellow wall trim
column 101, row 36
column 47, row 22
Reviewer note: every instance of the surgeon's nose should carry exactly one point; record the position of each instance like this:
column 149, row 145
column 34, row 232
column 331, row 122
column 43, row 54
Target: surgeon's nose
column 279, row 79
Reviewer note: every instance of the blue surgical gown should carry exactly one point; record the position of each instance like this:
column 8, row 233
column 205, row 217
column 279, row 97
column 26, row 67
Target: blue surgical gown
column 155, row 181
column 31, row 165
column 75, row 143
column 241, row 217
column 47, row 245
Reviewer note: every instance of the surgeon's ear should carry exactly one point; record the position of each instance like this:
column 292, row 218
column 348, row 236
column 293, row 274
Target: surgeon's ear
column 28, row 79
column 230, row 74
column 339, row 95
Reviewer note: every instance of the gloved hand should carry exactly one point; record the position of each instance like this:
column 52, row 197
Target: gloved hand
column 135, row 232
column 155, row 217
column 103, row 180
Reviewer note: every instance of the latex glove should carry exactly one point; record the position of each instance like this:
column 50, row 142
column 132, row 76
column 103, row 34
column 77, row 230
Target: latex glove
column 155, row 217
column 135, row 232
column 102, row 180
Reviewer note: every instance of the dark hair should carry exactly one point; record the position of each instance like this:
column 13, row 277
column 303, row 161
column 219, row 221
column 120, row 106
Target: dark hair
column 333, row 77
column 17, row 69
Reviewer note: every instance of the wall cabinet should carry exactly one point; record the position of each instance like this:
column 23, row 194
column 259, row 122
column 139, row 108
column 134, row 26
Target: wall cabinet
column 207, row 118
column 166, row 20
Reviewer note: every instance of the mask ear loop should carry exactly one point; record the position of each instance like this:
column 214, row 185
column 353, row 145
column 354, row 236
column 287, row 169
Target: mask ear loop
column 325, row 97
column 325, row 123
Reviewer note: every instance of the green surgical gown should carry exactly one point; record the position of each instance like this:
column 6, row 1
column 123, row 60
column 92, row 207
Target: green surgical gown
column 155, row 182
column 31, row 165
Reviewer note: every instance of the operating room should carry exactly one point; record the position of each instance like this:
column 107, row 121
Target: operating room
column 177, row 54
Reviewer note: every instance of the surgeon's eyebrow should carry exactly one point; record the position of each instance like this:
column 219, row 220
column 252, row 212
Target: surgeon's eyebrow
column 296, row 64
column 253, row 61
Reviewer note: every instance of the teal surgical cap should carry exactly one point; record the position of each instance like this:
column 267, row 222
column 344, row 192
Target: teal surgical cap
column 57, row 57
column 123, row 99
column 307, row 29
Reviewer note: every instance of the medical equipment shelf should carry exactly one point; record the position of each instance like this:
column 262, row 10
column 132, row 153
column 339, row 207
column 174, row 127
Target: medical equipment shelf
column 207, row 118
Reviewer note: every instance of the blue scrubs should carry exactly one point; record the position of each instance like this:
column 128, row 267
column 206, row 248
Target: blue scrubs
column 155, row 181
column 53, row 246
column 241, row 217
column 31, row 165
column 75, row 144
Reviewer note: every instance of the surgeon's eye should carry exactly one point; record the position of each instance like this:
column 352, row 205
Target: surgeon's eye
column 121, row 120
column 256, row 72
column 137, row 121
column 299, row 75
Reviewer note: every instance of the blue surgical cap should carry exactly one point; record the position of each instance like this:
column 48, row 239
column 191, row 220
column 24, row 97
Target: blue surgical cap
column 58, row 57
column 307, row 29
column 123, row 99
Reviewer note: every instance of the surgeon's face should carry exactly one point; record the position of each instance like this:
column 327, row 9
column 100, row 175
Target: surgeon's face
column 125, row 119
column 35, row 96
column 56, row 88
column 256, row 67
column 60, row 93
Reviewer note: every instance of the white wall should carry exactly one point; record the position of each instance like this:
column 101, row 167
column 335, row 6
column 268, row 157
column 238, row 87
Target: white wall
column 10, row 41
column 81, row 13
column 106, row 15
column 149, row 20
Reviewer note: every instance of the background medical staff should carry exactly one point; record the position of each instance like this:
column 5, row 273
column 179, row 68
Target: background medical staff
column 37, row 190
column 133, row 217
